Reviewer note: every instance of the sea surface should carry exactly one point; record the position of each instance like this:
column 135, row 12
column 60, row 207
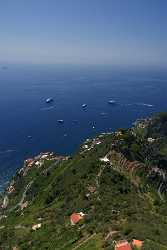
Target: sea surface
column 29, row 126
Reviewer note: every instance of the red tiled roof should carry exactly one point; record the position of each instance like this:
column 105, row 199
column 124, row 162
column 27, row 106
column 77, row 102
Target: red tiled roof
column 75, row 218
column 137, row 243
column 123, row 245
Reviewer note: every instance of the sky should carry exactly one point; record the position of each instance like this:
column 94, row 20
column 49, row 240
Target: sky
column 130, row 32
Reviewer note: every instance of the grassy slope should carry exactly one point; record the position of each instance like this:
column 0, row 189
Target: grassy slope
column 116, row 205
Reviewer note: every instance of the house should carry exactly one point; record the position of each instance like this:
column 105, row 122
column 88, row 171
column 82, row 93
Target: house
column 38, row 163
column 122, row 245
column 29, row 162
column 104, row 159
column 85, row 146
column 76, row 217
column 24, row 205
column 137, row 243
column 119, row 133
column 91, row 189
column 44, row 155
column 37, row 226
column 151, row 140
column 10, row 189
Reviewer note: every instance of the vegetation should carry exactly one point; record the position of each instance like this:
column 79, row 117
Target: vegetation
column 122, row 198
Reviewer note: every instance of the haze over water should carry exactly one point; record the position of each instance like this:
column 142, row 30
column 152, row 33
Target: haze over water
column 29, row 125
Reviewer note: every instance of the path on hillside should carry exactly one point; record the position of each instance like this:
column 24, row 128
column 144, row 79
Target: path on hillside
column 28, row 186
column 97, row 180
column 99, row 175
column 160, row 186
column 84, row 241
column 23, row 196
column 52, row 166
column 25, row 191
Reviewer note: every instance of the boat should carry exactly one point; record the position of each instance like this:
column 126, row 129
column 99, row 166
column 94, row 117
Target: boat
column 111, row 102
column 49, row 100
column 60, row 121
column 84, row 105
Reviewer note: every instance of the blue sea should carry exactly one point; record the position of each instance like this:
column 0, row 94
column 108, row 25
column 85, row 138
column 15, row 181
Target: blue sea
column 28, row 125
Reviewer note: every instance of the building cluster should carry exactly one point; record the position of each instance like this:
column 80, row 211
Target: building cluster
column 75, row 218
column 151, row 140
column 38, row 161
column 10, row 189
column 90, row 144
column 125, row 245
column 142, row 123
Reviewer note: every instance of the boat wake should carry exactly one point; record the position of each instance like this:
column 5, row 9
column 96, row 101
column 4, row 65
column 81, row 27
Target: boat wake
column 47, row 108
column 8, row 151
column 140, row 104
column 104, row 114
column 145, row 104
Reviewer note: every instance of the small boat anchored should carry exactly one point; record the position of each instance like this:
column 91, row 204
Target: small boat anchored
column 111, row 102
column 60, row 121
column 49, row 100
column 84, row 105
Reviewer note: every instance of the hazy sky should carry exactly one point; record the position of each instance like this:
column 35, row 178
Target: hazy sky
column 84, row 31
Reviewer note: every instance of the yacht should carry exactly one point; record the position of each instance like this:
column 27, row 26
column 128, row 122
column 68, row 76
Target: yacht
column 84, row 105
column 111, row 102
column 49, row 100
column 60, row 121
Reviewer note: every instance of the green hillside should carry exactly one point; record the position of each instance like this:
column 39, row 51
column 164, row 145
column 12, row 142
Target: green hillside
column 118, row 180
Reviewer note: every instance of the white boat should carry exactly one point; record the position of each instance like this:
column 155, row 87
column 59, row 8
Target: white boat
column 84, row 105
column 111, row 102
column 49, row 100
column 60, row 121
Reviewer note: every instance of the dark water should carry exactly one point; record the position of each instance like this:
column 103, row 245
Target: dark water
column 28, row 125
